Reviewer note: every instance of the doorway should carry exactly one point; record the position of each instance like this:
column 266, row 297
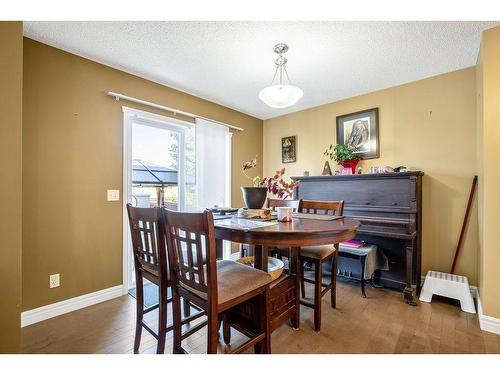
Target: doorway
column 159, row 169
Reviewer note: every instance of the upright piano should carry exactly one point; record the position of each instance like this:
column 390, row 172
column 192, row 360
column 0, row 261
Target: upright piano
column 389, row 207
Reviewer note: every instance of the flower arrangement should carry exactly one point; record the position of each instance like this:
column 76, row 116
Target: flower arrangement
column 275, row 185
column 343, row 155
column 250, row 165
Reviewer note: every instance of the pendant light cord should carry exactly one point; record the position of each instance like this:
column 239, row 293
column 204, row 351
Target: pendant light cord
column 281, row 66
column 286, row 72
column 275, row 72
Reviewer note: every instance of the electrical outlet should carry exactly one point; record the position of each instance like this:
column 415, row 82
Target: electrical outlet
column 113, row 195
column 54, row 281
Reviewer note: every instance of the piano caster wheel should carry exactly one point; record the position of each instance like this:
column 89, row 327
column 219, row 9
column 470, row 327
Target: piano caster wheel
column 409, row 297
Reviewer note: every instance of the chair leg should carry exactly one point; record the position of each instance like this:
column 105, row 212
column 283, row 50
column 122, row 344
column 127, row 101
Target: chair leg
column 162, row 322
column 363, row 261
column 318, row 277
column 264, row 346
column 212, row 333
column 302, row 282
column 278, row 254
column 176, row 317
column 333, row 282
column 294, row 267
column 267, row 321
column 226, row 331
column 242, row 250
column 139, row 301
column 186, row 306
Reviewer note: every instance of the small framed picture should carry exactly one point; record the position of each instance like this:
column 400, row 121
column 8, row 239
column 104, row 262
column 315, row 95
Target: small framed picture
column 344, row 170
column 359, row 130
column 288, row 149
column 327, row 171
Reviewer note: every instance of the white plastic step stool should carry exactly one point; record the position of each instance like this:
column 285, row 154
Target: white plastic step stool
column 448, row 285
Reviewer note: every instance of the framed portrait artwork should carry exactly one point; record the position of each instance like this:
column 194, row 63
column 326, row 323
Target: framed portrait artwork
column 288, row 149
column 359, row 130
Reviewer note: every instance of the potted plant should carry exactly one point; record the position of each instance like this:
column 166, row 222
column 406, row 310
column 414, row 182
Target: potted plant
column 255, row 196
column 343, row 155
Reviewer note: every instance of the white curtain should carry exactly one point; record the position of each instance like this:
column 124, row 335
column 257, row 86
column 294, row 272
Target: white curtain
column 213, row 165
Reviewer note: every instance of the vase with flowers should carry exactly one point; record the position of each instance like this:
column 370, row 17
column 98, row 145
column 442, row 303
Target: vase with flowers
column 255, row 196
column 343, row 155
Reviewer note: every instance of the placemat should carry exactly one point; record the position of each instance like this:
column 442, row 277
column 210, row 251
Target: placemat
column 300, row 215
column 245, row 224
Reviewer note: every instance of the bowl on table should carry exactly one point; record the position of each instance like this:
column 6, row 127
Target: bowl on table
column 275, row 266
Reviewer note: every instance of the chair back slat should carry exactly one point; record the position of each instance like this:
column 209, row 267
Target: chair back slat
column 191, row 269
column 273, row 203
column 149, row 243
column 321, row 207
column 189, row 236
column 199, row 258
column 148, row 240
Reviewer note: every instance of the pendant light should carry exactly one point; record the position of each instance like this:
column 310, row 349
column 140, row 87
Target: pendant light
column 280, row 95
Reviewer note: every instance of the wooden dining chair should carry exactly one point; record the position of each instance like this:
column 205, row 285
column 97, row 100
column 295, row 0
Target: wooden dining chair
column 273, row 204
column 218, row 287
column 317, row 256
column 151, row 263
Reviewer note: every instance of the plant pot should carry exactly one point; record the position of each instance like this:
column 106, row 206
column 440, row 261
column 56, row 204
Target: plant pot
column 254, row 197
column 350, row 164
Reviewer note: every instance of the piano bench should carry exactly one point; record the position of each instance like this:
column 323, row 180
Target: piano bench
column 362, row 253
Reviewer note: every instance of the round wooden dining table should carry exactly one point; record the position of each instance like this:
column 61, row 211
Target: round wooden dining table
column 285, row 298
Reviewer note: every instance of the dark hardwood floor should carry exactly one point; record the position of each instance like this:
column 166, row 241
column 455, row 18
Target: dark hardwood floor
column 381, row 323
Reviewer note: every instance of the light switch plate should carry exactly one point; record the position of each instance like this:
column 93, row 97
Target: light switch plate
column 113, row 195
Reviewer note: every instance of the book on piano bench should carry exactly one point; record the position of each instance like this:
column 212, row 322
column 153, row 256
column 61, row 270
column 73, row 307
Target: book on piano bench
column 355, row 244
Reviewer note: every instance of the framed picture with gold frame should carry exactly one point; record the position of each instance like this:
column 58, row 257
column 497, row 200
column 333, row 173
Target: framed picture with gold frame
column 360, row 130
column 289, row 149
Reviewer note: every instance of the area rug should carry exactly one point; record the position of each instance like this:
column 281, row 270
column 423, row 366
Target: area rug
column 151, row 296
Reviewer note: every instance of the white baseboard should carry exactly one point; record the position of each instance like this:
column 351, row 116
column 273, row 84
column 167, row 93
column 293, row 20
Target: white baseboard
column 66, row 306
column 474, row 292
column 487, row 323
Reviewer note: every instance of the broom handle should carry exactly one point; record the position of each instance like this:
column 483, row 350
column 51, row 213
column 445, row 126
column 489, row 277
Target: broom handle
column 464, row 224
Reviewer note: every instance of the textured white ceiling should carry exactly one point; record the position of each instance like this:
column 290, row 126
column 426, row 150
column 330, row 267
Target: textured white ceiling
column 229, row 62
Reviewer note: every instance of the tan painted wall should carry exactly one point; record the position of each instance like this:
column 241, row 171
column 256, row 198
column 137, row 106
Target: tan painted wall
column 490, row 172
column 11, row 84
column 480, row 171
column 73, row 153
column 428, row 125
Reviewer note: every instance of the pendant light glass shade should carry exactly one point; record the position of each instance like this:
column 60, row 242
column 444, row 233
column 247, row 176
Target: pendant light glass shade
column 280, row 96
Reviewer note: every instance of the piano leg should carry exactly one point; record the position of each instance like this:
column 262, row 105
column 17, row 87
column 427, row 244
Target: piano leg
column 410, row 291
